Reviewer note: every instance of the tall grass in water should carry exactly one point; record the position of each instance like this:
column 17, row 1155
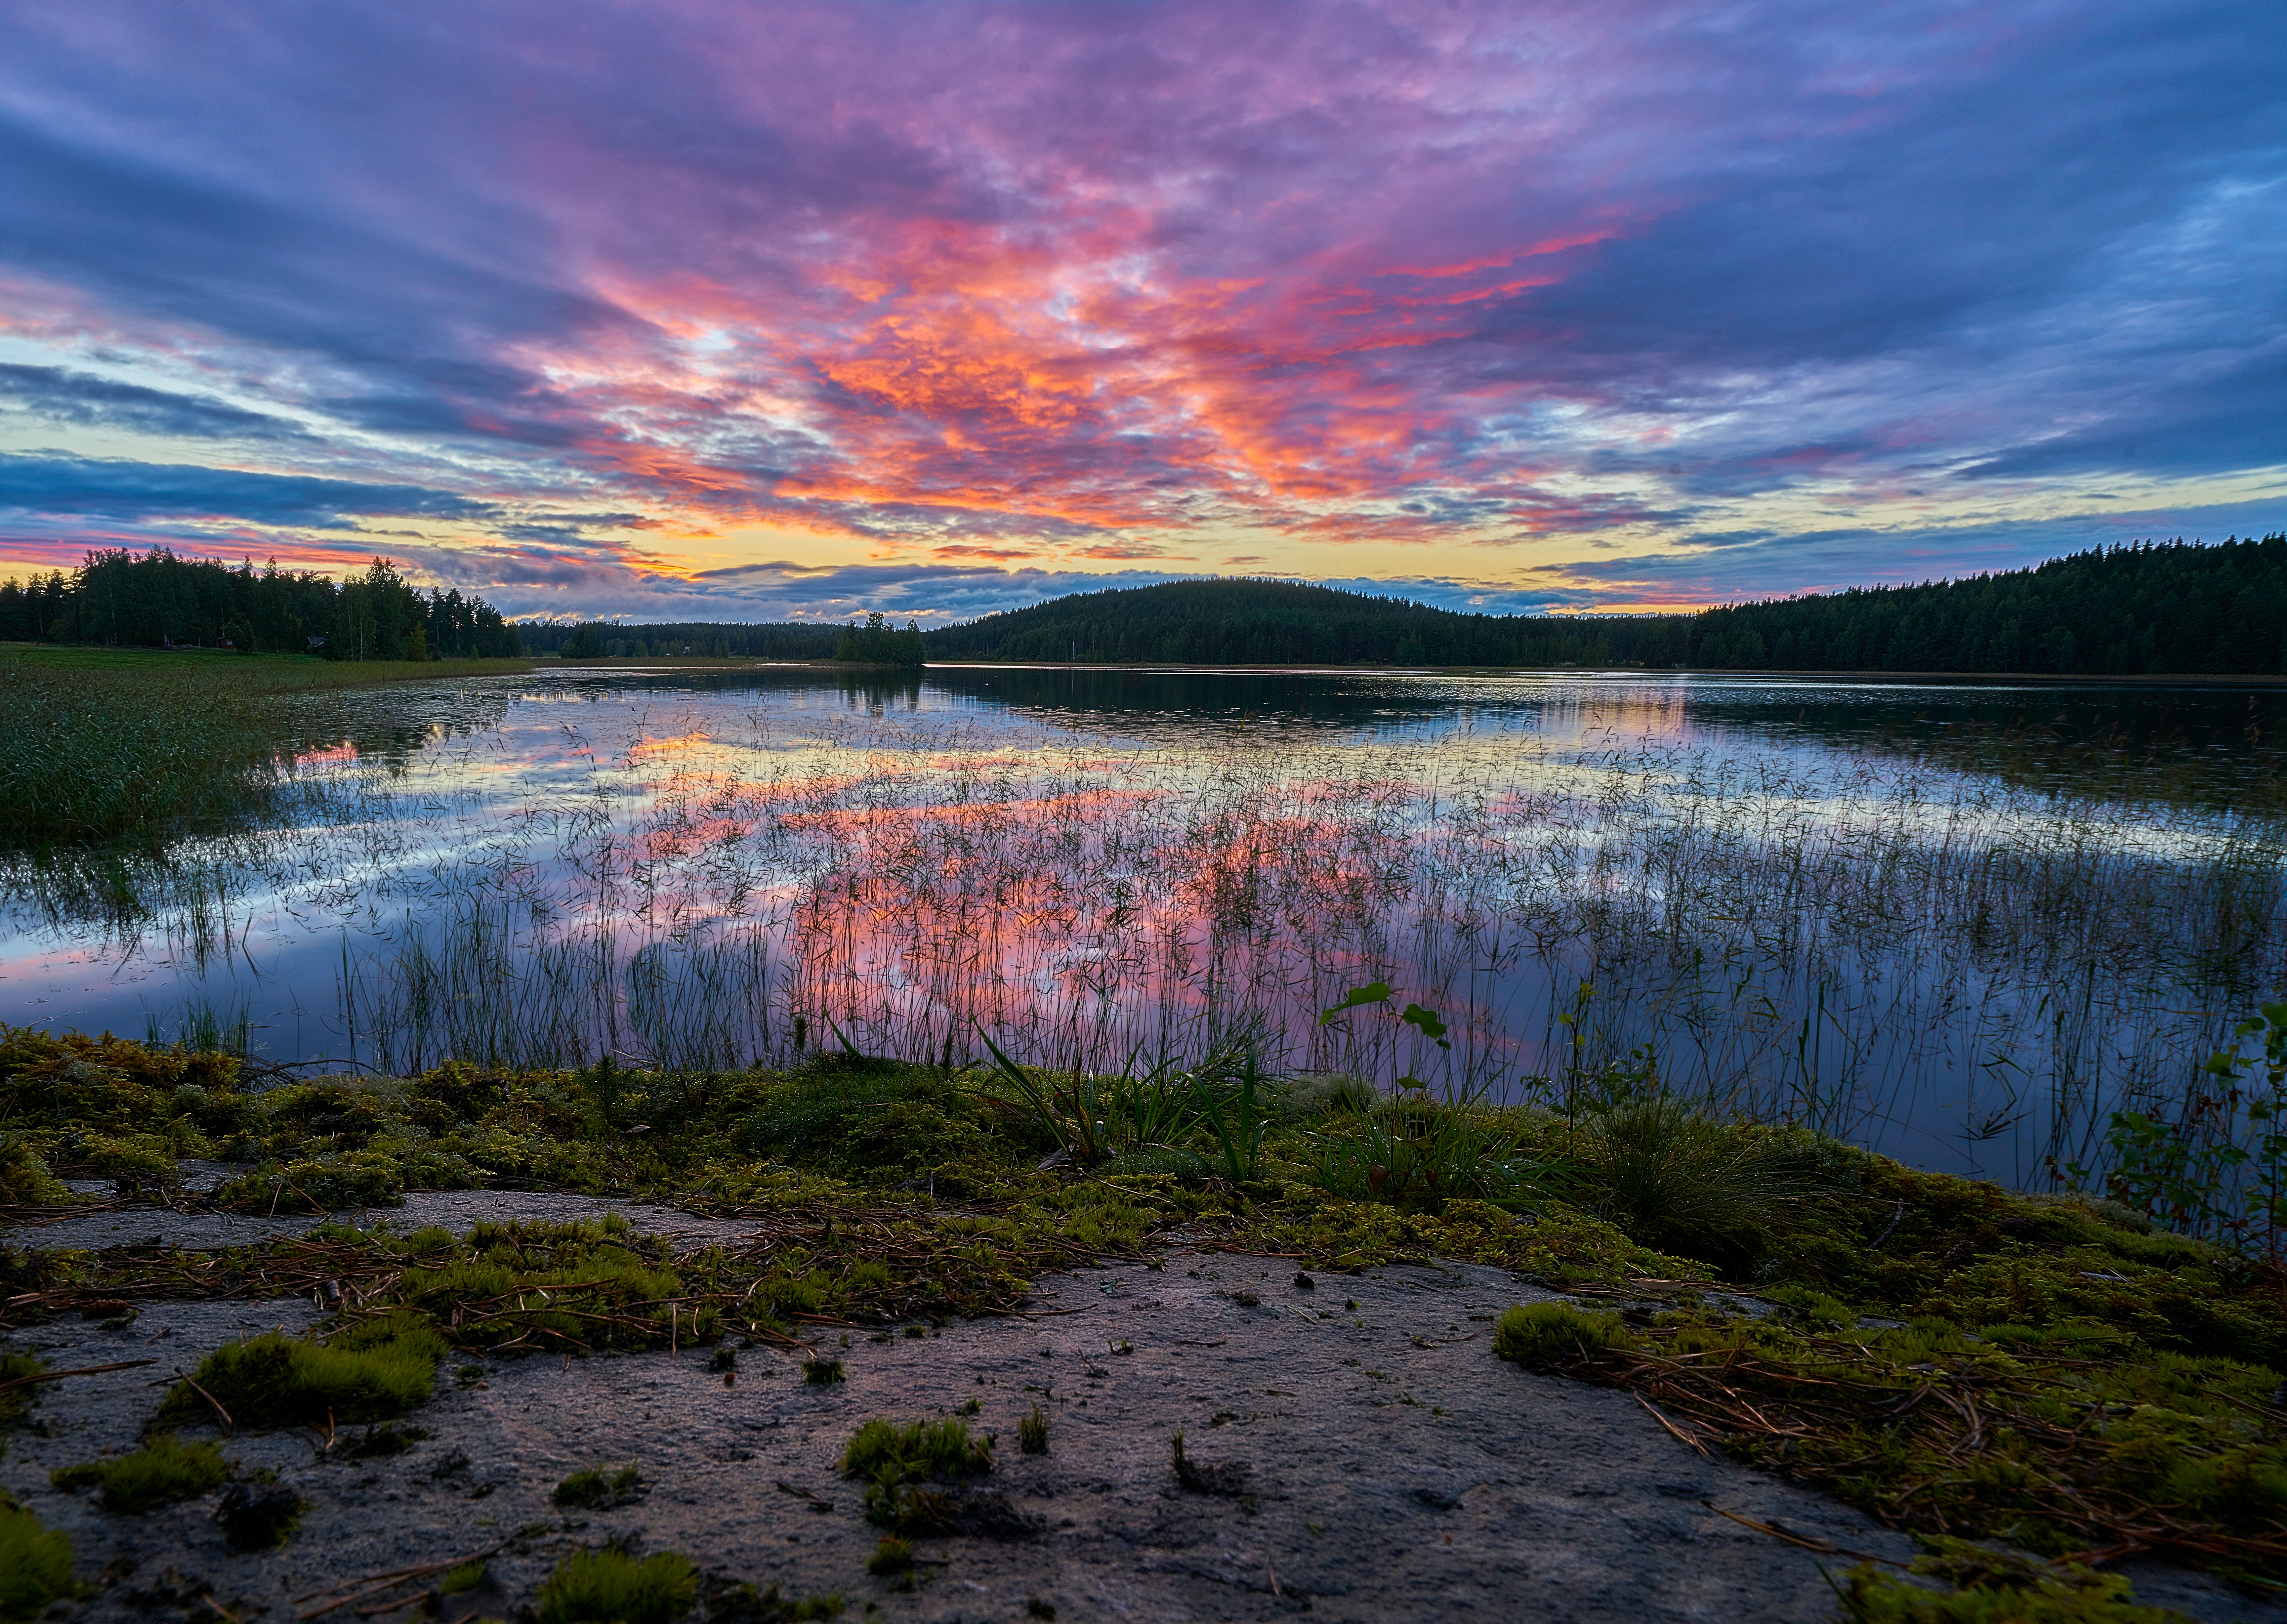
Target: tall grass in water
column 100, row 756
column 1964, row 971
column 105, row 748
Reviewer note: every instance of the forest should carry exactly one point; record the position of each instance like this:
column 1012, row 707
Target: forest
column 158, row 600
column 2137, row 609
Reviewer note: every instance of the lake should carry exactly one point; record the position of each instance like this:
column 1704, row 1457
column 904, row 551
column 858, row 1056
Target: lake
column 1958, row 922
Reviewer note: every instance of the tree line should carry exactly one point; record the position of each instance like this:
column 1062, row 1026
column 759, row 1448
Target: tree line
column 875, row 643
column 2136, row 609
column 157, row 600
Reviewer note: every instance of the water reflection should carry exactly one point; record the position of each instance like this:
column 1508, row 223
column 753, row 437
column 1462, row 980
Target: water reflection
column 1958, row 922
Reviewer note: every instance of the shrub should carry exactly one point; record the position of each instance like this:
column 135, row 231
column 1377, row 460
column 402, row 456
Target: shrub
column 162, row 1472
column 1551, row 1336
column 382, row 1369
column 36, row 1564
column 610, row 1587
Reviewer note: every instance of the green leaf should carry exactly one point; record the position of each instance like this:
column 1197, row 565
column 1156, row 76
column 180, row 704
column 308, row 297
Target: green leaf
column 1375, row 991
column 1428, row 1023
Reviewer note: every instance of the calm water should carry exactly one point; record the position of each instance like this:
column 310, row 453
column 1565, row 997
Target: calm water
column 1960, row 922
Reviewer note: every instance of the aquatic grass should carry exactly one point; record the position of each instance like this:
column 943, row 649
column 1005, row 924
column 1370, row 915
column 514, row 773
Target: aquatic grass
column 162, row 1471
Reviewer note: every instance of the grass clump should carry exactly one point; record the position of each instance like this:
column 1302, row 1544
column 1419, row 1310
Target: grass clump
column 822, row 1373
column 892, row 1556
column 36, row 1564
column 1555, row 1335
column 607, row 1586
column 592, row 1489
column 1033, row 1432
column 1653, row 1164
column 164, row 1470
column 379, row 1370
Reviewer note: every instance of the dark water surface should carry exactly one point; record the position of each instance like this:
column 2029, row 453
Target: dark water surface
column 1961, row 920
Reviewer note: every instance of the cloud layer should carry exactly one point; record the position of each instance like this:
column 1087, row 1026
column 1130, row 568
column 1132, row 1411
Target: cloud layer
column 773, row 308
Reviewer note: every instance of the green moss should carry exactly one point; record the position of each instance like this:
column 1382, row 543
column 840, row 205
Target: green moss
column 24, row 1176
column 258, row 1515
column 1546, row 1335
column 328, row 1184
column 916, row 1452
column 610, row 1587
column 17, row 1388
column 591, row 1489
column 1994, row 1588
column 162, row 1472
column 378, row 1370
column 36, row 1564
column 900, row 1465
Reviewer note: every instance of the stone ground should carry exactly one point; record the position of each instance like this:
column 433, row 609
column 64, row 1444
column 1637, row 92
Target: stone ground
column 1394, row 1469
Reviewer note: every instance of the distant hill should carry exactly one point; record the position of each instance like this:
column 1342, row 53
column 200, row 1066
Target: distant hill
column 2141, row 609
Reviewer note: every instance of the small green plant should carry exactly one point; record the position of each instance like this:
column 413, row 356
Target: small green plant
column 36, row 1564
column 591, row 1489
column 1555, row 1336
column 607, row 1586
column 892, row 1556
column 822, row 1373
column 381, row 1368
column 256, row 1515
column 1033, row 1432
column 468, row 1576
column 162, row 1472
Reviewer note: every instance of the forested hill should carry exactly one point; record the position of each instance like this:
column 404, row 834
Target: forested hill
column 2170, row 607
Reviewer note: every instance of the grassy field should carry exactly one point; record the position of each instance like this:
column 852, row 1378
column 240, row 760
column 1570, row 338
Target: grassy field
column 105, row 747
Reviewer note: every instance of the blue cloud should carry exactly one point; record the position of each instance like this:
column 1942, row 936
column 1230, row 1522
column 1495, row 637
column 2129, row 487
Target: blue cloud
column 38, row 483
column 54, row 394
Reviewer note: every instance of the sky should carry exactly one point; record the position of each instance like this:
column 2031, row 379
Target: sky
column 757, row 310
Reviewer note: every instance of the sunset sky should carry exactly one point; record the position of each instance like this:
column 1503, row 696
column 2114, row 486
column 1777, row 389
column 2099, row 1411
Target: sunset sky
column 764, row 311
